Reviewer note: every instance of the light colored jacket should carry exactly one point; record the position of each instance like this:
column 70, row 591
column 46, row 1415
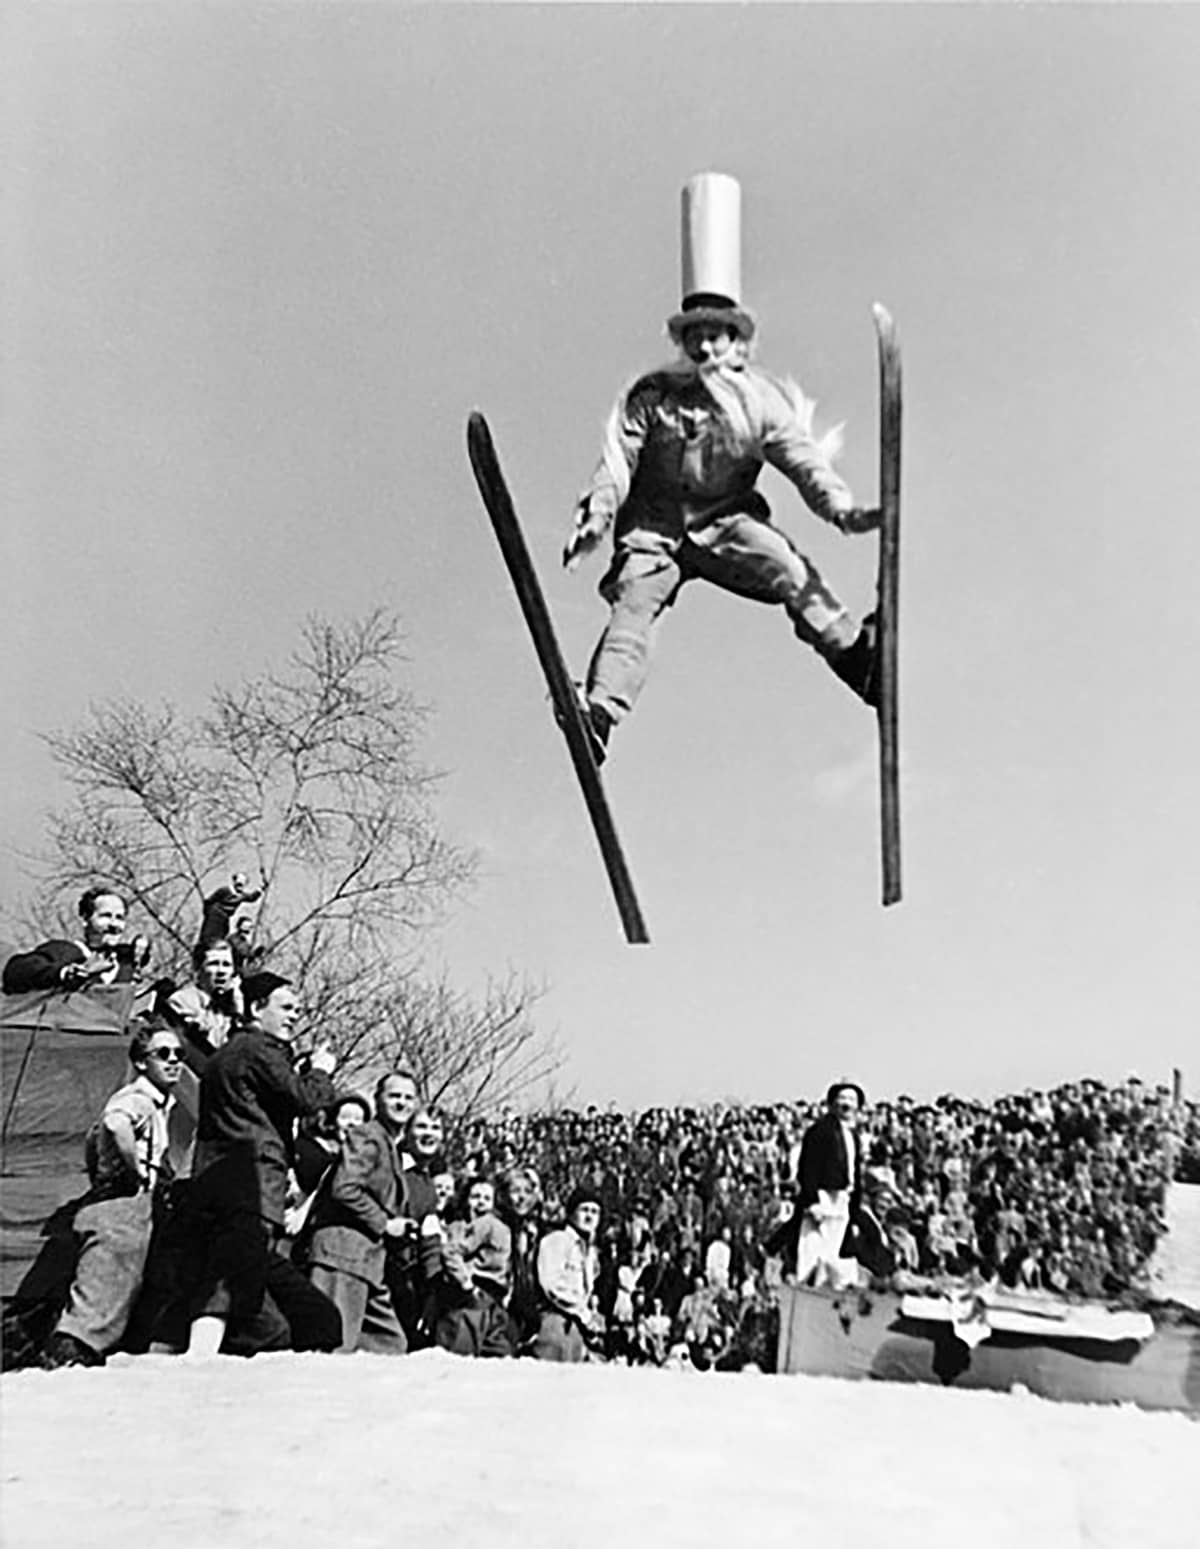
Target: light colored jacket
column 479, row 1249
column 684, row 448
column 195, row 1006
column 145, row 1113
column 567, row 1268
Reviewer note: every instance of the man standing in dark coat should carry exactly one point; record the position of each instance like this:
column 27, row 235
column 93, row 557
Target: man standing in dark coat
column 363, row 1210
column 828, row 1181
column 246, row 1294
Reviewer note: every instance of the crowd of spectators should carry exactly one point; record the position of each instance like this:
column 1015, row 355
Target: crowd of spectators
column 1062, row 1190
column 243, row 1200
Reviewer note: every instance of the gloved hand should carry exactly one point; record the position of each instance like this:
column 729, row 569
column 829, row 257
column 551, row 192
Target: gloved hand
column 586, row 535
column 860, row 519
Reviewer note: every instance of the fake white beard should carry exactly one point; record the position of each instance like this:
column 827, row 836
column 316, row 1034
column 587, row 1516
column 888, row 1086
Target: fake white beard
column 739, row 398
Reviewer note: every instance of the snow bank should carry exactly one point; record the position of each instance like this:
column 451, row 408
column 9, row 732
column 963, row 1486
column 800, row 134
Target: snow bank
column 360, row 1452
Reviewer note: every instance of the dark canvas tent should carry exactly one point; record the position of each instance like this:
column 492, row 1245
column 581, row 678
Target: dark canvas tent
column 61, row 1057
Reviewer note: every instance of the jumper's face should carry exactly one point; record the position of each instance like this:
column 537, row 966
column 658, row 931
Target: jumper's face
column 105, row 926
column 217, row 970
column 708, row 344
column 397, row 1101
column 164, row 1062
column 277, row 1014
column 481, row 1201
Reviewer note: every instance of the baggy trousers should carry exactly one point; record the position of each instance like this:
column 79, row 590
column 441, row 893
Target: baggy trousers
column 559, row 1338
column 819, row 1252
column 369, row 1320
column 114, row 1238
column 739, row 553
column 237, row 1271
column 477, row 1327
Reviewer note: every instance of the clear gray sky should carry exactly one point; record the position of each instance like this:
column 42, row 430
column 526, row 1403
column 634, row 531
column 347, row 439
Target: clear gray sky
column 260, row 263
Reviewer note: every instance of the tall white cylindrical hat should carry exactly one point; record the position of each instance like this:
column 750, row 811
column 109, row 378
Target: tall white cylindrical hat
column 711, row 255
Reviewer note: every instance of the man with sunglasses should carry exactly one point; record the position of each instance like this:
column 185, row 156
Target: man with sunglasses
column 133, row 1150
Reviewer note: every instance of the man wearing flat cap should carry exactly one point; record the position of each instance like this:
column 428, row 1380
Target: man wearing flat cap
column 829, row 1185
column 568, row 1264
column 683, row 449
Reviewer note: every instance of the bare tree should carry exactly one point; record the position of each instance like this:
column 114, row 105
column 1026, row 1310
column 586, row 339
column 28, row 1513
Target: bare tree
column 467, row 1052
column 312, row 778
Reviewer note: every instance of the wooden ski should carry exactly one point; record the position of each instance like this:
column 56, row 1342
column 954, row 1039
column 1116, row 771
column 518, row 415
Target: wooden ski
column 498, row 501
column 890, row 405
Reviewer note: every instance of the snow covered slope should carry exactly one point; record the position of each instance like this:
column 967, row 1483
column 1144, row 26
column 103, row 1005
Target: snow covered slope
column 359, row 1452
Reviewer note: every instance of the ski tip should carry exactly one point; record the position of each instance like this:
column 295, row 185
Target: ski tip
column 883, row 318
column 479, row 436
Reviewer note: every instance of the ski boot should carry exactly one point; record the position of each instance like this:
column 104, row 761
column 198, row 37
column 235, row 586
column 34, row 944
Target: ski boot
column 858, row 664
column 597, row 723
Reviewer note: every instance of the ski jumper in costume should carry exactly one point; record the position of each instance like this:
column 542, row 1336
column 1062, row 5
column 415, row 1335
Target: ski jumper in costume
column 683, row 449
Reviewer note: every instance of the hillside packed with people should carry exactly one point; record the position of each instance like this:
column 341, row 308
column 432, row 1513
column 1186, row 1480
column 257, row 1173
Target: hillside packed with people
column 243, row 1199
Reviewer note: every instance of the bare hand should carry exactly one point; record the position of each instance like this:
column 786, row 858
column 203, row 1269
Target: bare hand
column 241, row 886
column 93, row 966
column 397, row 1226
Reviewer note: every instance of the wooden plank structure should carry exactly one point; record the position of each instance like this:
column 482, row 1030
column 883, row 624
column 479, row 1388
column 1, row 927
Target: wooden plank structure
column 869, row 1336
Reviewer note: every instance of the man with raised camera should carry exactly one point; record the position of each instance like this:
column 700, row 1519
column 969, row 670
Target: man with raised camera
column 102, row 956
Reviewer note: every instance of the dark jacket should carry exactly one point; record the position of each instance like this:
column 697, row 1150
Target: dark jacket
column 41, row 969
column 823, row 1164
column 365, row 1190
column 525, row 1302
column 250, row 1099
column 414, row 1258
column 867, row 1241
column 311, row 1162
